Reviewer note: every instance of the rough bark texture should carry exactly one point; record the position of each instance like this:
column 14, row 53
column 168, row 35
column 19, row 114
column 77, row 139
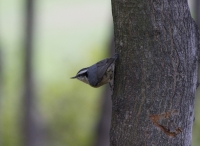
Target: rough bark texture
column 156, row 73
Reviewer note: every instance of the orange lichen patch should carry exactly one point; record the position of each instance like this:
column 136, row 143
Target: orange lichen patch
column 155, row 119
column 164, row 115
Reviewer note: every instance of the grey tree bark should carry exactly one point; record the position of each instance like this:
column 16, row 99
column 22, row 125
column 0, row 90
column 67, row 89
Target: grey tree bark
column 156, row 73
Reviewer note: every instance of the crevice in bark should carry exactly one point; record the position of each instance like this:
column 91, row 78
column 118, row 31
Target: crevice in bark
column 169, row 130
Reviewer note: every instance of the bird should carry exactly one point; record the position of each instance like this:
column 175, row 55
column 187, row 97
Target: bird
column 99, row 73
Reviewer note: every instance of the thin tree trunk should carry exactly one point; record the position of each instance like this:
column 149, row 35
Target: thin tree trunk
column 196, row 130
column 156, row 73
column 197, row 11
column 29, row 125
column 103, row 126
column 1, row 91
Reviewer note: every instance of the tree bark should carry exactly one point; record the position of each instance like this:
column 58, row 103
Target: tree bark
column 156, row 73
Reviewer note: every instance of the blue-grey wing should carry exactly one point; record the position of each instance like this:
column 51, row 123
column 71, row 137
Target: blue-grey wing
column 97, row 70
column 92, row 75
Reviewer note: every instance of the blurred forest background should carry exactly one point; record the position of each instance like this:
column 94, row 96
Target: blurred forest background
column 67, row 35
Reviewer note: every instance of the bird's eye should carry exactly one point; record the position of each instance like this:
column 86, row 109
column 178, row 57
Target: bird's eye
column 79, row 75
column 86, row 74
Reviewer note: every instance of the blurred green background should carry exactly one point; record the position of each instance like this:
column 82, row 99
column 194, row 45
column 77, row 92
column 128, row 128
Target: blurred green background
column 68, row 35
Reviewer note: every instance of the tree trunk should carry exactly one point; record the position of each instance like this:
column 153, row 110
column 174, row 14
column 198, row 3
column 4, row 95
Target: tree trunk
column 104, row 122
column 28, row 123
column 31, row 122
column 196, row 130
column 197, row 11
column 156, row 73
column 1, row 90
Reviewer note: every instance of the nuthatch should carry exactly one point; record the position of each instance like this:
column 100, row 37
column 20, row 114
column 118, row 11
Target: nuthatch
column 98, row 74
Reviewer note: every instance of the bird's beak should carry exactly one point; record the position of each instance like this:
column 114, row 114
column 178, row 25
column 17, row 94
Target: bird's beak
column 73, row 77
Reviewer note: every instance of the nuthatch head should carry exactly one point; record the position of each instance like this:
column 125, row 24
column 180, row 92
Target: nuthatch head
column 98, row 74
